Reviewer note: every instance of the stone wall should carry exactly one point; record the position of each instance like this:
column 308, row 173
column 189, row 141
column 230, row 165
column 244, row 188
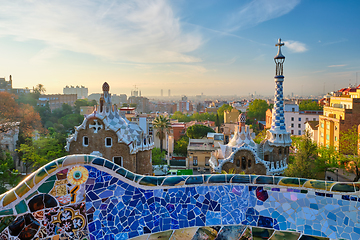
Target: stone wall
column 87, row 197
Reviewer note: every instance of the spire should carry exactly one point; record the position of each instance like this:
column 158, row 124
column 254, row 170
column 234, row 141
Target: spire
column 278, row 134
column 279, row 59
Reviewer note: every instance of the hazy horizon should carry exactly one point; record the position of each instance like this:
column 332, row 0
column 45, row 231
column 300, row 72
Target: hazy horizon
column 210, row 47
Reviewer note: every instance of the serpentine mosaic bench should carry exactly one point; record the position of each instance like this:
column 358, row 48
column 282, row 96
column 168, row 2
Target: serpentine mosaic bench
column 87, row 197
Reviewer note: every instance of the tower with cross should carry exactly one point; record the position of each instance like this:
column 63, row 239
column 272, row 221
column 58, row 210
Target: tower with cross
column 277, row 135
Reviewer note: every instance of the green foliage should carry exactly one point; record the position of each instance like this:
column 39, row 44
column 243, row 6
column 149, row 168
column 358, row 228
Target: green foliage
column 309, row 105
column 257, row 110
column 198, row 131
column 309, row 160
column 181, row 145
column 195, row 117
column 157, row 156
column 81, row 103
column 162, row 125
column 29, row 98
column 7, row 173
column 302, row 164
column 348, row 145
column 221, row 110
column 260, row 136
column 36, row 153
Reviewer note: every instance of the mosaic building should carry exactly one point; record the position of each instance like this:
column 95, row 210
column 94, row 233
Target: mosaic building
column 105, row 133
column 89, row 197
column 271, row 156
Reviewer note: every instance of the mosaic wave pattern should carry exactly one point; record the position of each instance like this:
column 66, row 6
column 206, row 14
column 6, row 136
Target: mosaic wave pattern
column 87, row 197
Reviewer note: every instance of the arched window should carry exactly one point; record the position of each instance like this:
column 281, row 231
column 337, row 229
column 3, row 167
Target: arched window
column 279, row 150
column 238, row 162
column 243, row 163
column 249, row 163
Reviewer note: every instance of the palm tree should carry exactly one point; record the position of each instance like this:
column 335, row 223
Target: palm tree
column 162, row 124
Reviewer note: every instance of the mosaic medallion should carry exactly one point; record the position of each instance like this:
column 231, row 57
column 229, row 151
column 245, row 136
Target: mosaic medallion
column 77, row 175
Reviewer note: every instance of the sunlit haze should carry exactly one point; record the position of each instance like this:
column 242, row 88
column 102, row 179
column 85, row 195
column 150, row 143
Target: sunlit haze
column 190, row 47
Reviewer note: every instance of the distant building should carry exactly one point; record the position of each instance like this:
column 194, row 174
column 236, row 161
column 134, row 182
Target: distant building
column 294, row 118
column 341, row 113
column 199, row 154
column 81, row 92
column 312, row 128
column 142, row 104
column 231, row 116
column 5, row 86
column 105, row 133
column 56, row 100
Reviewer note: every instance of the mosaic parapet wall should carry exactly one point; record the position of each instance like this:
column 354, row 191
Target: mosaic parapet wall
column 87, row 197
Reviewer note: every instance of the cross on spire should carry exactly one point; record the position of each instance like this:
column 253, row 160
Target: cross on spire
column 279, row 44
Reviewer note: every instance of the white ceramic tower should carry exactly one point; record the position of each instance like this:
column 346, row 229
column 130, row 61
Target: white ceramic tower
column 277, row 135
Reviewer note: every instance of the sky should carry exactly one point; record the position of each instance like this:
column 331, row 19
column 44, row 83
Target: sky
column 210, row 47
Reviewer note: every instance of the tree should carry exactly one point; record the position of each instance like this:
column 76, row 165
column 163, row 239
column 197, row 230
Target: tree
column 221, row 110
column 309, row 105
column 198, row 131
column 162, row 125
column 157, row 156
column 8, row 175
column 40, row 89
column 260, row 136
column 29, row 120
column 302, row 164
column 181, row 145
column 257, row 110
column 9, row 111
column 81, row 103
column 348, row 146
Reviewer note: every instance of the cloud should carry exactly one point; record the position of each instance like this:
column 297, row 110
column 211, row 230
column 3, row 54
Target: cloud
column 258, row 11
column 340, row 65
column 134, row 31
column 295, row 46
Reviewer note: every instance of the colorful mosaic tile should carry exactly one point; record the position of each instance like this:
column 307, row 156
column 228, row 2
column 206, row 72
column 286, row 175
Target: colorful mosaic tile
column 99, row 200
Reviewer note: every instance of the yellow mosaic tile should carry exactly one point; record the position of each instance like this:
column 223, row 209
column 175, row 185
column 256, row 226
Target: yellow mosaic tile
column 53, row 192
column 30, row 181
column 318, row 184
column 40, row 175
column 21, row 189
column 61, row 190
column 9, row 198
column 60, row 182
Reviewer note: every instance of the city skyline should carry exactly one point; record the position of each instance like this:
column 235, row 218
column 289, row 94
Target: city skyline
column 212, row 47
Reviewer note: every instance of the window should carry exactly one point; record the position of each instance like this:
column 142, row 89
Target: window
column 327, row 126
column 85, row 141
column 327, row 137
column 292, row 119
column 243, row 163
column 195, row 161
column 279, row 150
column 238, row 162
column 108, row 142
column 292, row 132
column 118, row 160
column 307, row 119
column 322, row 125
column 292, row 125
column 207, row 161
column 314, row 119
column 299, row 119
column 335, row 138
column 335, row 127
column 293, row 109
column 322, row 135
column 249, row 163
column 299, row 132
column 299, row 125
